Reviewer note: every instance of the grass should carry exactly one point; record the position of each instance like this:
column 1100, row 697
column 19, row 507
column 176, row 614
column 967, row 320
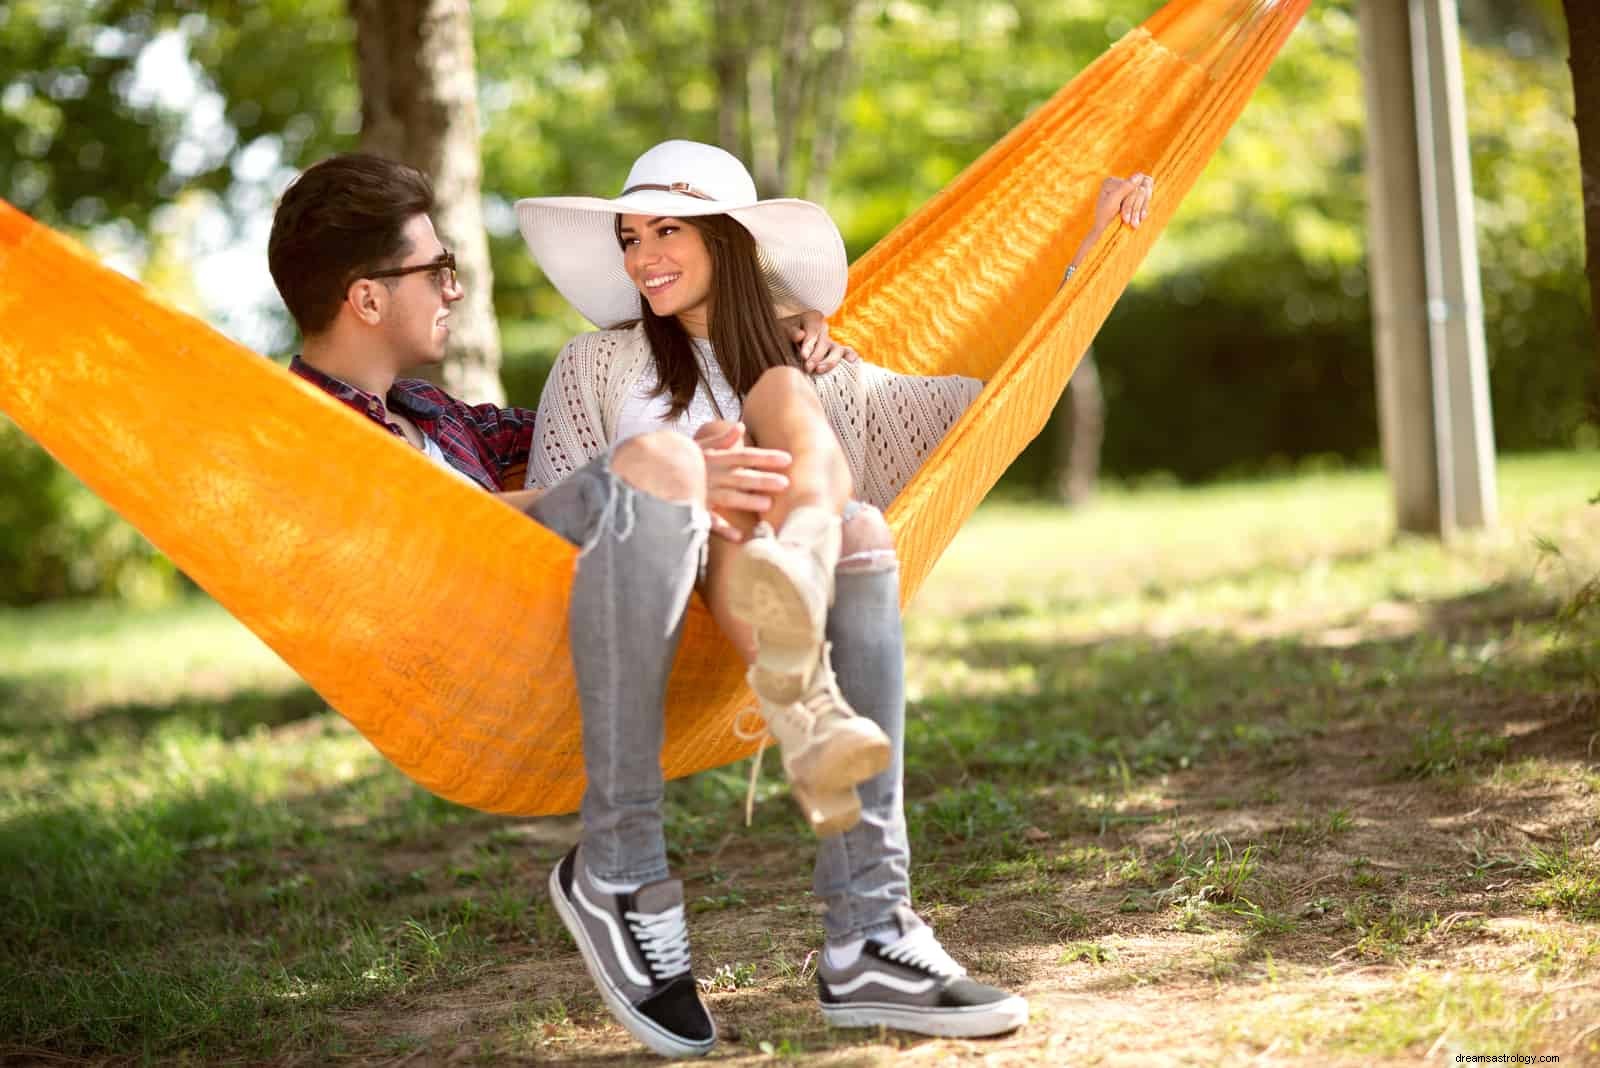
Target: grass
column 1210, row 774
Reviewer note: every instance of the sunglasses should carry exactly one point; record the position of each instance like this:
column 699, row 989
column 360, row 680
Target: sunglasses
column 443, row 268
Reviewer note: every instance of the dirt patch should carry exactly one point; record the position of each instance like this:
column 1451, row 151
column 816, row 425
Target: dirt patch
column 1371, row 892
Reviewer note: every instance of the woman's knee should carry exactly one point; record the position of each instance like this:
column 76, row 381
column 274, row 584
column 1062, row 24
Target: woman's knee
column 663, row 464
column 866, row 544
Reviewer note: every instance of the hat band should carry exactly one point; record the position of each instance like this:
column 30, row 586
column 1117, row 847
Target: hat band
column 676, row 187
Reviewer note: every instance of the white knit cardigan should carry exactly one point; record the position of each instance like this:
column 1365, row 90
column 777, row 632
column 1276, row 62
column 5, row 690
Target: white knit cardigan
column 887, row 422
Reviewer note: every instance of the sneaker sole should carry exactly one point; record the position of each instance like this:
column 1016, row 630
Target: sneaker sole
column 639, row 1026
column 765, row 596
column 979, row 1021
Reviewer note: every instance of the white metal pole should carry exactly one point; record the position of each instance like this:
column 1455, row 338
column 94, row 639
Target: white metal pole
column 1433, row 399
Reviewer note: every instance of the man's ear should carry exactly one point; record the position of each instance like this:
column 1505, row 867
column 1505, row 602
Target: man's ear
column 368, row 299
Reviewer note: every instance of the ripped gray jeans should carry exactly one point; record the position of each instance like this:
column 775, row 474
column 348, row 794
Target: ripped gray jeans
column 639, row 559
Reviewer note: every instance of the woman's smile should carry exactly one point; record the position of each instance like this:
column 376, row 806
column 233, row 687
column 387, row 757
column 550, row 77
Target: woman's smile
column 668, row 262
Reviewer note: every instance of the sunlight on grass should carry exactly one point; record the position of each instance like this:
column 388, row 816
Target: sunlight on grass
column 93, row 653
column 1322, row 542
column 1442, row 1014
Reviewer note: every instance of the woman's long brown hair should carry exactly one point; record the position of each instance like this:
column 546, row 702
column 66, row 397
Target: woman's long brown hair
column 745, row 332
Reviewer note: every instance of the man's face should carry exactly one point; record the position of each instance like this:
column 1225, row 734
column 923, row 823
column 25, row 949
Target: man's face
column 416, row 319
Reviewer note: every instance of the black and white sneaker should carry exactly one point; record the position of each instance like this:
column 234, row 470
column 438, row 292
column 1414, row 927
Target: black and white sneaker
column 911, row 984
column 636, row 948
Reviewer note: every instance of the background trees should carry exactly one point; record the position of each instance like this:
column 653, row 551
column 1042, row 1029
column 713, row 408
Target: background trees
column 161, row 131
column 419, row 104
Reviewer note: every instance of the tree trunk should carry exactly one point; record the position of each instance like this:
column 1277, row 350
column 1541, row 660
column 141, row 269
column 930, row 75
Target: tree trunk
column 1583, row 35
column 1080, row 431
column 731, row 61
column 832, row 89
column 419, row 105
column 795, row 51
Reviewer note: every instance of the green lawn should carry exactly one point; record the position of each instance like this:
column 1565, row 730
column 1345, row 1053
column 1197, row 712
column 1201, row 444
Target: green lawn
column 1211, row 774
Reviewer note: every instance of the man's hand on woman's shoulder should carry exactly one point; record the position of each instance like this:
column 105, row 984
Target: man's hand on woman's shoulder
column 809, row 330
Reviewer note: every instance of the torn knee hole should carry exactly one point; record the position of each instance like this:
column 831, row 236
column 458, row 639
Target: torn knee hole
column 867, row 543
column 869, row 560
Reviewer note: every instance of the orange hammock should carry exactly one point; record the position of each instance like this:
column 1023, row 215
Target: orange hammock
column 433, row 616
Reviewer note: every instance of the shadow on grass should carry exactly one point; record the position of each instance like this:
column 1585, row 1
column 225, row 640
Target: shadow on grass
column 208, row 921
column 1111, row 781
column 1493, row 605
column 32, row 717
column 1072, row 806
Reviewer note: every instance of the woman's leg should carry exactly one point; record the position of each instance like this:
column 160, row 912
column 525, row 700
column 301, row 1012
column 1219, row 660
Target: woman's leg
column 862, row 876
column 780, row 587
column 784, row 412
column 781, row 412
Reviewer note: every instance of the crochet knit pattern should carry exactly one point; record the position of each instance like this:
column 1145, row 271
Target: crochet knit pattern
column 889, row 423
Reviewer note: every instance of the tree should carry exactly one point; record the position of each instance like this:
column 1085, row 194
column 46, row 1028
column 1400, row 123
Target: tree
column 1583, row 33
column 781, row 76
column 1080, row 431
column 419, row 105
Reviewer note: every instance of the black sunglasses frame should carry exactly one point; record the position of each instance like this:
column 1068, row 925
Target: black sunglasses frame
column 445, row 262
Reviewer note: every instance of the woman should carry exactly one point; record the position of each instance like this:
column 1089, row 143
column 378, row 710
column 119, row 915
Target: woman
column 689, row 273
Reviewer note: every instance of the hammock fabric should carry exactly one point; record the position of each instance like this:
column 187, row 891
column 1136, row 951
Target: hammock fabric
column 433, row 616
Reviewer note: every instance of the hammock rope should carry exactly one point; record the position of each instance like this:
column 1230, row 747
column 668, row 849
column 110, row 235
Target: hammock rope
column 432, row 616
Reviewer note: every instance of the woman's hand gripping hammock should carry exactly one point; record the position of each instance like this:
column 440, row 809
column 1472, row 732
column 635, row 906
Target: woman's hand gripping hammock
column 1127, row 198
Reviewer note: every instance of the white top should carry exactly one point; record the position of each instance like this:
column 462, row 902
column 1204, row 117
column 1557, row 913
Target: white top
column 888, row 423
column 644, row 410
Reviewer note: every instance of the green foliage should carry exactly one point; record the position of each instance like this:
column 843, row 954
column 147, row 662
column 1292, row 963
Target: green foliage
column 58, row 539
column 79, row 146
column 1247, row 338
column 1244, row 345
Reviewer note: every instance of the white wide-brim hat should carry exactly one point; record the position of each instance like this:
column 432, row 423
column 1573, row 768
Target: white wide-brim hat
column 574, row 239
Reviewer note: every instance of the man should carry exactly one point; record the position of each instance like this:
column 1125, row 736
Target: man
column 356, row 259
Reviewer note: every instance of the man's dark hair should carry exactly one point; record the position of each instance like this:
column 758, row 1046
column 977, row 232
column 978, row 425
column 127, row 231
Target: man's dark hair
column 340, row 219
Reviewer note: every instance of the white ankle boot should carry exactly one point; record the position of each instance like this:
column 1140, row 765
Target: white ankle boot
column 826, row 748
column 782, row 587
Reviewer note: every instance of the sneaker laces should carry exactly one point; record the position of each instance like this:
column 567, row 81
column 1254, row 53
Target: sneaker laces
column 920, row 949
column 663, row 939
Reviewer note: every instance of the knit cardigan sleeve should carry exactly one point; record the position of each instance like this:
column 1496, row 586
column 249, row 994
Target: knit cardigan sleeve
column 890, row 423
column 569, row 429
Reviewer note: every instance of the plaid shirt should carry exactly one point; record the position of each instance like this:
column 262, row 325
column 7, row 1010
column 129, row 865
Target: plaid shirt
column 483, row 442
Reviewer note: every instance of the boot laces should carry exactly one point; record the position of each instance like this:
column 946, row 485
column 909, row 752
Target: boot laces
column 663, row 939
column 818, row 701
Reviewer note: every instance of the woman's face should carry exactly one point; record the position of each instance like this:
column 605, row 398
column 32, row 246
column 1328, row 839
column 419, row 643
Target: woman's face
column 669, row 262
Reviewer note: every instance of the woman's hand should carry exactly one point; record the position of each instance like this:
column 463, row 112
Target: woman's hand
column 1128, row 198
column 819, row 352
column 1125, row 197
column 739, row 477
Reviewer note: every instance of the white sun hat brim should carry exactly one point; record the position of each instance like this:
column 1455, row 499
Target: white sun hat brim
column 574, row 241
